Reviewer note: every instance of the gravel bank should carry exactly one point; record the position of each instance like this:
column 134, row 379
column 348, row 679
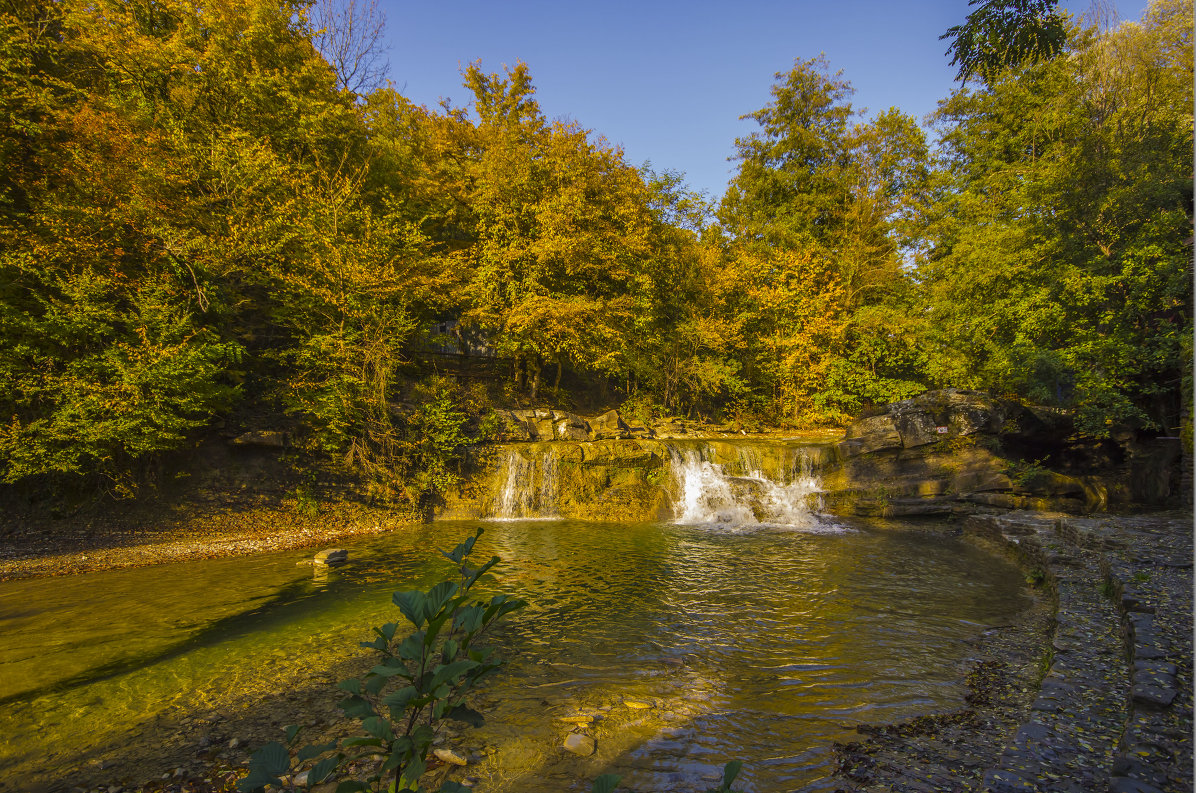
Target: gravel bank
column 44, row 547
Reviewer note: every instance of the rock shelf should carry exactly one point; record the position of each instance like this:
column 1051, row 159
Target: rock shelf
column 1113, row 711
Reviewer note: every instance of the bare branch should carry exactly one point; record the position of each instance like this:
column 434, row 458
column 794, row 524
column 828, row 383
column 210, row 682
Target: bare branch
column 349, row 34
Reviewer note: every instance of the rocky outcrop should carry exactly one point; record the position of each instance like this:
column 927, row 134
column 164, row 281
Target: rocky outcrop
column 941, row 416
column 959, row 452
column 543, row 424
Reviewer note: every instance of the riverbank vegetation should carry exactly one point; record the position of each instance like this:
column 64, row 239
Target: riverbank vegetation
column 208, row 227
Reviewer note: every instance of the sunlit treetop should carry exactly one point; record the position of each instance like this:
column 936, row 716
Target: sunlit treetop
column 1000, row 34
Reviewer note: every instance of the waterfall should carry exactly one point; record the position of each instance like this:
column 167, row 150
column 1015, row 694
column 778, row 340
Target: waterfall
column 529, row 487
column 741, row 485
column 717, row 482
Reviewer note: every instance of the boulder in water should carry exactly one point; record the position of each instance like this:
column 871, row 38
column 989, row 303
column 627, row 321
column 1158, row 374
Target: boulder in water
column 332, row 557
column 449, row 757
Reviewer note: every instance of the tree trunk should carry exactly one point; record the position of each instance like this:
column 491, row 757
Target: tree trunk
column 558, row 377
column 534, row 382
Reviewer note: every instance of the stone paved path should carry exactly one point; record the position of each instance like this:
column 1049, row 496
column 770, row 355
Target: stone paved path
column 1114, row 710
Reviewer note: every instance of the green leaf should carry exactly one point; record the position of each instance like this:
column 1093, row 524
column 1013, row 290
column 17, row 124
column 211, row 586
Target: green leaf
column 437, row 598
column 475, row 574
column 256, row 780
column 411, row 605
column 450, row 786
column 467, row 715
column 732, row 769
column 309, row 752
column 412, row 648
column 353, row 685
column 469, row 619
column 463, row 549
column 389, row 670
column 291, row 732
column 352, row 786
column 378, row 727
column 272, row 758
column 605, row 783
column 400, row 697
column 402, row 749
column 321, row 771
column 357, row 707
column 452, row 671
column 413, row 771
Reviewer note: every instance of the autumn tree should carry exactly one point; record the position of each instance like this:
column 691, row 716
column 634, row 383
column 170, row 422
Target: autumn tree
column 813, row 182
column 562, row 227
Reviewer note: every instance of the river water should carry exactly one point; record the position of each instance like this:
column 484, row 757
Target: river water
column 759, row 640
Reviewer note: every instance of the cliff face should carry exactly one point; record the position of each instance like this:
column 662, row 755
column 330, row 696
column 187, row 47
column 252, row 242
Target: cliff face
column 959, row 452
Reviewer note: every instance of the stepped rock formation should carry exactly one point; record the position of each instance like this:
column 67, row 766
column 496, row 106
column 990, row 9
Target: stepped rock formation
column 960, row 452
column 942, row 453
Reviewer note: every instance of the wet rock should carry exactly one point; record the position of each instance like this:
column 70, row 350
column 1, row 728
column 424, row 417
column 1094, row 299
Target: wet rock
column 450, row 757
column 332, row 557
column 870, row 434
column 1126, row 784
column 1149, row 693
column 580, row 744
column 580, row 719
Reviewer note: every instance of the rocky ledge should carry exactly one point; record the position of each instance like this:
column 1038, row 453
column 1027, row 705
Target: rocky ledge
column 955, row 452
column 1110, row 707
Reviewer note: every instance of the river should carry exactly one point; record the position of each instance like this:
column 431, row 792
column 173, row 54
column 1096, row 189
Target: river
column 760, row 640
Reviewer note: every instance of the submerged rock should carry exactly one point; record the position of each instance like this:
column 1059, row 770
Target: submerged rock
column 449, row 757
column 580, row 744
column 332, row 557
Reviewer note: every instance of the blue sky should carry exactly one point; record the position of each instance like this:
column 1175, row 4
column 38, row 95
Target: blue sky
column 667, row 80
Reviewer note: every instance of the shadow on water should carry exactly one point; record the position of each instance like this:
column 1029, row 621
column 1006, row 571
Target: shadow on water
column 757, row 645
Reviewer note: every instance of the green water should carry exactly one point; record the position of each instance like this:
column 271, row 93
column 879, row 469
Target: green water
column 758, row 644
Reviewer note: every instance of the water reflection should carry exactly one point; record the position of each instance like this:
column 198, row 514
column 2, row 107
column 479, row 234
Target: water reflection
column 758, row 645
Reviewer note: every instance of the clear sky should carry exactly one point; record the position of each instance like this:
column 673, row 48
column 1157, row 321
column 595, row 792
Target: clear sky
column 667, row 80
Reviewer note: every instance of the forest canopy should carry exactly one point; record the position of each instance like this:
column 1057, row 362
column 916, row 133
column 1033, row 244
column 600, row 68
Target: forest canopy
column 201, row 222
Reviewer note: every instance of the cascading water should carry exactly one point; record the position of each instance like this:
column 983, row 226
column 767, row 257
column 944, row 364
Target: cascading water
column 750, row 487
column 731, row 483
column 529, row 489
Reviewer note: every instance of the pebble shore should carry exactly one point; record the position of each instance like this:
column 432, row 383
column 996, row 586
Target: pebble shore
column 53, row 548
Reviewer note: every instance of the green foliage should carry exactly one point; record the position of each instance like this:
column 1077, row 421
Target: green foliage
column 423, row 679
column 822, row 212
column 1059, row 259
column 1025, row 472
column 1000, row 34
column 197, row 222
column 434, row 438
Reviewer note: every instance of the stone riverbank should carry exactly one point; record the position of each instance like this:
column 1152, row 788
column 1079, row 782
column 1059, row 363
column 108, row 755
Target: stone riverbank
column 1108, row 704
